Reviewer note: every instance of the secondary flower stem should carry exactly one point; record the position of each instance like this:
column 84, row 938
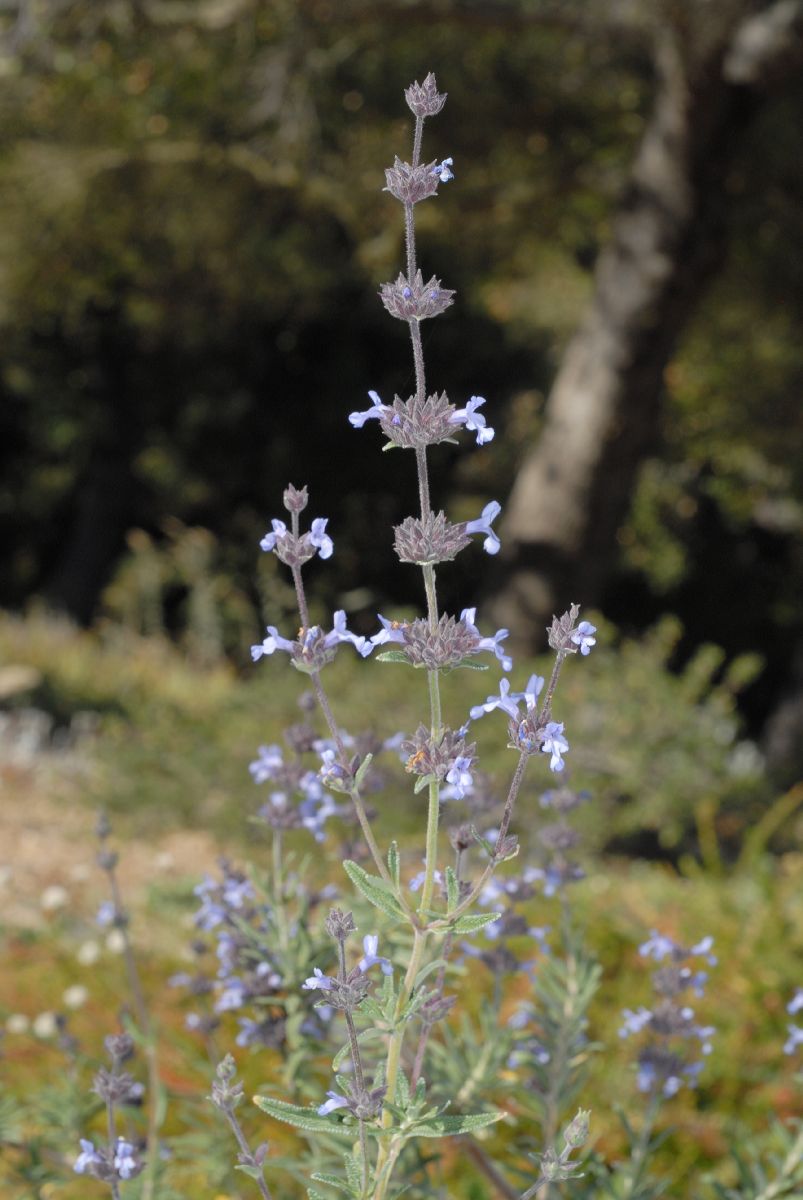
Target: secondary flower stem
column 510, row 804
column 354, row 793
column 386, row 1156
column 245, row 1149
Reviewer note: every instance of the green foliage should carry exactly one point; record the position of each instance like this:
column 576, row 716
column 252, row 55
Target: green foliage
column 661, row 750
column 374, row 889
column 769, row 1167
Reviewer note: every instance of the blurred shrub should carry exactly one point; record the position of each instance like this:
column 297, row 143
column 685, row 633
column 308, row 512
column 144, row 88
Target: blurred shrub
column 660, row 749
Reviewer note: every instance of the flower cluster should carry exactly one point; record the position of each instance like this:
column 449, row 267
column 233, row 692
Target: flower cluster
column 247, row 973
column 531, row 731
column 448, row 644
column 558, row 839
column 663, row 1065
column 120, row 1159
column 795, row 1032
column 418, row 422
column 447, row 757
column 313, row 648
column 295, row 549
column 297, row 798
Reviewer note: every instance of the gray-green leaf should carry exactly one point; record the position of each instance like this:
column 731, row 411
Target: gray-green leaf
column 374, row 889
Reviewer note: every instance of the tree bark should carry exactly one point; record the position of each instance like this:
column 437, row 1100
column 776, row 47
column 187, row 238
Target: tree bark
column 669, row 238
column 104, row 496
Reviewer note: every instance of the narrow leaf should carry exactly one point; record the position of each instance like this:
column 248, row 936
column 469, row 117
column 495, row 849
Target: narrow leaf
column 302, row 1118
column 471, row 922
column 452, row 890
column 447, row 1126
column 374, row 889
column 362, row 770
column 333, row 1182
column 393, row 862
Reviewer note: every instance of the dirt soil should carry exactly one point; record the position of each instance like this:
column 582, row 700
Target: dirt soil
column 48, row 849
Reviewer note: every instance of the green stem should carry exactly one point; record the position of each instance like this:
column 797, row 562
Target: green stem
column 278, row 889
column 387, row 1154
column 638, row 1158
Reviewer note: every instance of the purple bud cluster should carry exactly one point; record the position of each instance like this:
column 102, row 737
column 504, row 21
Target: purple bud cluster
column 412, row 184
column 447, row 757
column 415, row 423
column 424, row 99
column 313, row 648
column 449, row 644
column 295, row 549
column 413, row 299
column 670, row 1025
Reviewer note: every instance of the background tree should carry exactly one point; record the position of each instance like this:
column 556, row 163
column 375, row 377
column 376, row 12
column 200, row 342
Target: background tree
column 191, row 240
column 716, row 67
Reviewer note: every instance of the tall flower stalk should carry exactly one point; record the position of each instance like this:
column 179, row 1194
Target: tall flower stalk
column 396, row 1109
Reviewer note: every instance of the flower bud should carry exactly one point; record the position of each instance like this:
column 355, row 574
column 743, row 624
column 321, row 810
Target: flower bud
column 576, row 1133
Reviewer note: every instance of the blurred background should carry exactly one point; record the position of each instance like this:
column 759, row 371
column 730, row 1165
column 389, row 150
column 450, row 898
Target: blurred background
column 193, row 235
column 194, row 232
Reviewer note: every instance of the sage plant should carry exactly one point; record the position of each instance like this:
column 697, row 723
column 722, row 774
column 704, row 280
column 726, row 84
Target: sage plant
column 383, row 1104
column 368, row 988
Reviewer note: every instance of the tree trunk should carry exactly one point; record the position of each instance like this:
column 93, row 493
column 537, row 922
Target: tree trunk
column 669, row 238
column 104, row 497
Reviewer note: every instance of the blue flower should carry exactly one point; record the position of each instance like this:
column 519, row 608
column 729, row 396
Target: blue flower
column 634, row 1022
column 703, row 948
column 489, row 643
column 234, row 995
column 236, row 891
column 324, row 544
column 554, row 743
column 334, row 1101
column 444, row 170
column 274, row 641
column 582, row 636
column 125, row 1163
column 391, row 631
column 88, row 1157
column 370, row 944
column 474, row 420
column 794, row 1040
column 796, row 1003
column 267, row 765
column 339, row 633
column 378, row 410
column 531, row 692
column 460, row 777
column 107, row 913
column 318, row 980
column 418, row 880
column 269, row 541
column 506, row 701
column 657, row 947
column 483, row 523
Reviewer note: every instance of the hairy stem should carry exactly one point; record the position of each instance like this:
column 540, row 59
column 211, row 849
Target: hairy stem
column 510, row 804
column 245, row 1150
